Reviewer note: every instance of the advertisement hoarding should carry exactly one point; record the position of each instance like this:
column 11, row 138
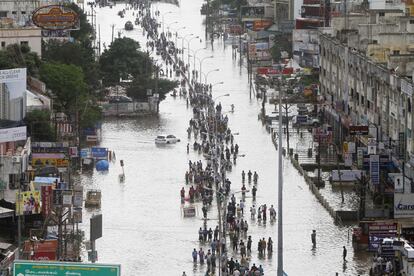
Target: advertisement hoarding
column 55, row 17
column 28, row 203
column 42, row 251
column 403, row 205
column 13, row 134
column 49, row 159
column 374, row 169
column 377, row 231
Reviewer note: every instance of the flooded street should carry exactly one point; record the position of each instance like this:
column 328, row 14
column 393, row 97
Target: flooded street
column 144, row 228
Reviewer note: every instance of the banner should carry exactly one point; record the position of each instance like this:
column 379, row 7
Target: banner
column 46, row 200
column 28, row 203
column 13, row 134
column 42, row 251
column 374, row 169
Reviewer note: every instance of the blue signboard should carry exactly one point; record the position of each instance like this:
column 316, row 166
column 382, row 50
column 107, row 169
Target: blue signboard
column 374, row 169
column 100, row 153
column 84, row 153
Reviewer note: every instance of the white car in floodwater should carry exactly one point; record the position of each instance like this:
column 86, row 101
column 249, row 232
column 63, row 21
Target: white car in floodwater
column 166, row 139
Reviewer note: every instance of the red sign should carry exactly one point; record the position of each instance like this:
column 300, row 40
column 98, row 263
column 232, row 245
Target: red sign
column 41, row 250
column 259, row 25
column 358, row 130
column 46, row 193
column 273, row 71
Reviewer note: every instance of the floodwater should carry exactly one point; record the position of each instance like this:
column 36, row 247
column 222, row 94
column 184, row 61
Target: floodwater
column 143, row 226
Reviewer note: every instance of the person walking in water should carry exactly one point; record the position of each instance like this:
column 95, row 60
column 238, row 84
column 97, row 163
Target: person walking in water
column 344, row 253
column 195, row 254
column 313, row 238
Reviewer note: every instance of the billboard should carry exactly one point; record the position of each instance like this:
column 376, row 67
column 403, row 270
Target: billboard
column 403, row 205
column 377, row 231
column 20, row 268
column 259, row 25
column 100, row 153
column 13, row 90
column 28, row 203
column 13, row 134
column 55, row 17
column 49, row 159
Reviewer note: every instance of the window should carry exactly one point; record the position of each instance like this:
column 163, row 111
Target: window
column 3, row 44
column 381, row 14
column 3, row 13
column 409, row 105
column 14, row 12
column 23, row 12
column 396, row 52
column 362, row 100
column 24, row 43
column 411, row 21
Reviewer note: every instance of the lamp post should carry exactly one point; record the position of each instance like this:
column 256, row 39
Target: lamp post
column 188, row 48
column 163, row 19
column 176, row 34
column 206, row 75
column 201, row 64
column 182, row 44
column 195, row 52
column 168, row 26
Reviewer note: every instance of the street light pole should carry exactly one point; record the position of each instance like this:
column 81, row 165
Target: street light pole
column 163, row 24
column 188, row 48
column 280, row 190
column 201, row 63
column 206, row 76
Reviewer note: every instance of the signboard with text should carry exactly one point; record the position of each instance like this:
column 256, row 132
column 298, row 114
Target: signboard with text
column 26, row 268
column 403, row 205
column 377, row 231
column 100, row 153
column 55, row 17
column 358, row 130
column 13, row 134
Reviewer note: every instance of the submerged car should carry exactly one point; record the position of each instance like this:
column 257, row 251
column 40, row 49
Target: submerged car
column 166, row 139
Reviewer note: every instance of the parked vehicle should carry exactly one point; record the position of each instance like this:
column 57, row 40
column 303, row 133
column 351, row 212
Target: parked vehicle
column 305, row 120
column 166, row 139
column 129, row 26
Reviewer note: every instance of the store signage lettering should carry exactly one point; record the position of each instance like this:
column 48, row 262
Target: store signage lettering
column 55, row 17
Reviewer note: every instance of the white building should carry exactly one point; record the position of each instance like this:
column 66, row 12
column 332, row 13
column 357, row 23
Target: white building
column 30, row 36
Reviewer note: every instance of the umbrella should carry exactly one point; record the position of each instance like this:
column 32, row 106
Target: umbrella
column 102, row 165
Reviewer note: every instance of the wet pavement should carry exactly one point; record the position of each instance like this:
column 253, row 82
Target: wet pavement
column 144, row 228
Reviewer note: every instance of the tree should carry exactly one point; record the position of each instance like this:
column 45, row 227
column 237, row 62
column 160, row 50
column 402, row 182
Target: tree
column 39, row 125
column 138, row 88
column 85, row 33
column 66, row 82
column 73, row 53
column 15, row 56
column 123, row 60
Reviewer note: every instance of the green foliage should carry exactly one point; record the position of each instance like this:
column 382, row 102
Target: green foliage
column 123, row 60
column 76, row 54
column 15, row 56
column 85, row 32
column 138, row 88
column 90, row 115
column 66, row 82
column 39, row 125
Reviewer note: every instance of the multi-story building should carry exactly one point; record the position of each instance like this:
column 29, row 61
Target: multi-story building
column 4, row 102
column 28, row 36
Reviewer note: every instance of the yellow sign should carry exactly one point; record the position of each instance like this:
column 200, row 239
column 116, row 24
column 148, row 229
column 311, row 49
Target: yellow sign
column 54, row 162
column 28, row 203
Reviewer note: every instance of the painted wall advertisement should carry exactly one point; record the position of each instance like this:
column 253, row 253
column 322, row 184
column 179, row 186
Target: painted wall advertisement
column 403, row 205
column 28, row 203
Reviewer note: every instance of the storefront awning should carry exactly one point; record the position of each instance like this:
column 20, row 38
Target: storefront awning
column 6, row 213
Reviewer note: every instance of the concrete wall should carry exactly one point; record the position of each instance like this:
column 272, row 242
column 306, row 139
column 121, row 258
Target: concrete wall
column 30, row 35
